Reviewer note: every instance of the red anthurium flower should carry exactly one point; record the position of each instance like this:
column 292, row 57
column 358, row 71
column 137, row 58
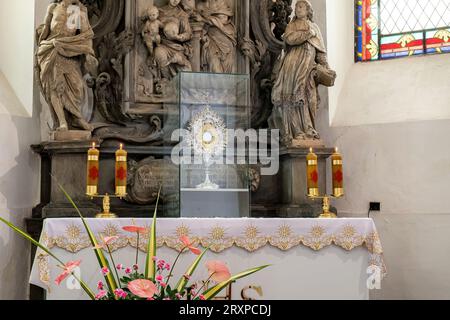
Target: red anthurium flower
column 135, row 229
column 188, row 244
column 218, row 271
column 68, row 269
column 143, row 288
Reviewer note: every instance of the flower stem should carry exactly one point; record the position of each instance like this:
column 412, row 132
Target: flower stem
column 204, row 285
column 137, row 249
column 114, row 265
column 173, row 266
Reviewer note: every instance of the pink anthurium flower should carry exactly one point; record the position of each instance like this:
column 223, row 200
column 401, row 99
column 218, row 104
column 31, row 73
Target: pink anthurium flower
column 218, row 271
column 138, row 231
column 68, row 269
column 135, row 229
column 143, row 288
column 106, row 242
column 188, row 244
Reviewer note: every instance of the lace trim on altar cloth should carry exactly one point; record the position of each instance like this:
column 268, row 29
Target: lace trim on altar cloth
column 251, row 239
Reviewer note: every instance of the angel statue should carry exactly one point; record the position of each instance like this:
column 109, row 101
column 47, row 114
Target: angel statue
column 65, row 53
column 300, row 71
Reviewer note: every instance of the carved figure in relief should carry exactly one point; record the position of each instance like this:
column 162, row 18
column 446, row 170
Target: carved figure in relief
column 219, row 48
column 172, row 54
column 150, row 32
column 65, row 53
column 302, row 69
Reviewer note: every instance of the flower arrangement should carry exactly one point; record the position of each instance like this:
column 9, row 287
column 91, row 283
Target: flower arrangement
column 155, row 283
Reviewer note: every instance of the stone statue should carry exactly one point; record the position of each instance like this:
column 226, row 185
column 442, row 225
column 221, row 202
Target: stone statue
column 172, row 54
column 150, row 32
column 302, row 69
column 219, row 48
column 65, row 52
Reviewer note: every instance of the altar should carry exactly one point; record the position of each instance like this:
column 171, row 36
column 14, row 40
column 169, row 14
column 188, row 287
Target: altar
column 309, row 258
column 193, row 106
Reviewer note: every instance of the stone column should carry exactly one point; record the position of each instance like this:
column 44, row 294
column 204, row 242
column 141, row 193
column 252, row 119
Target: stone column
column 197, row 30
column 242, row 21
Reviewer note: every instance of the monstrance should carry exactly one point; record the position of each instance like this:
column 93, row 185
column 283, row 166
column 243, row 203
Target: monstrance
column 207, row 139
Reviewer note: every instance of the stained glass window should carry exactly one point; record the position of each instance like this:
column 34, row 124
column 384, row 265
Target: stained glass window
column 388, row 29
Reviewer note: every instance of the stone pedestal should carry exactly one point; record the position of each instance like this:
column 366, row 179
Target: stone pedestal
column 72, row 135
column 294, row 200
column 65, row 163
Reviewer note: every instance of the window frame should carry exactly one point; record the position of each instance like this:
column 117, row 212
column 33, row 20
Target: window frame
column 360, row 48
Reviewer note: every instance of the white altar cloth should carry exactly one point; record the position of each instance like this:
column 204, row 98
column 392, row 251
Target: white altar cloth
column 310, row 258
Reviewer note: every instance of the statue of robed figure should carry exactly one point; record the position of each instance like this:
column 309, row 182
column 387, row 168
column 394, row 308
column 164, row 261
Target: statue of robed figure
column 300, row 71
column 65, row 53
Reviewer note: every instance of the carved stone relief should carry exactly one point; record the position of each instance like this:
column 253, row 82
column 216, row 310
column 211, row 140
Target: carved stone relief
column 145, row 178
column 176, row 36
column 141, row 44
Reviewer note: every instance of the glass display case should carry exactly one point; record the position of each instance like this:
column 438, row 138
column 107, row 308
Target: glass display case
column 213, row 172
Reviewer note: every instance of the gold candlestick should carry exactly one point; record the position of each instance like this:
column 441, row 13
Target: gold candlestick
column 313, row 191
column 92, row 180
column 106, row 214
column 326, row 213
column 121, row 172
column 92, row 170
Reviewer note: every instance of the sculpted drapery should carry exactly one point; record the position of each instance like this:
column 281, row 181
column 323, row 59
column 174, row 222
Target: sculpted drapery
column 295, row 93
column 219, row 48
column 63, row 51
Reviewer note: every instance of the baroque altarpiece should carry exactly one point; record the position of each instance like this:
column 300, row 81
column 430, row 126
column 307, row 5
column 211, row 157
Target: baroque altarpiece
column 128, row 53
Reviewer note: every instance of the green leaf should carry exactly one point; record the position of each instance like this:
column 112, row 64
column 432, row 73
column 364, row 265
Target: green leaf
column 214, row 291
column 103, row 262
column 183, row 281
column 46, row 250
column 150, row 265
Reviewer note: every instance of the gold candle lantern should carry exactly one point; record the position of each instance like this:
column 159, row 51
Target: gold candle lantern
column 92, row 171
column 312, row 174
column 121, row 172
column 338, row 174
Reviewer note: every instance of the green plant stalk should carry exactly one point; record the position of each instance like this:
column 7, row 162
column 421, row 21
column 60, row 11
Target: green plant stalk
column 214, row 291
column 46, row 250
column 183, row 281
column 114, row 264
column 150, row 264
column 103, row 262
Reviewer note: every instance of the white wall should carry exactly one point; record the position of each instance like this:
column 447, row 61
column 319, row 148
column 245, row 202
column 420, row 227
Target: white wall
column 16, row 52
column 339, row 44
column 19, row 128
column 407, row 89
column 394, row 135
